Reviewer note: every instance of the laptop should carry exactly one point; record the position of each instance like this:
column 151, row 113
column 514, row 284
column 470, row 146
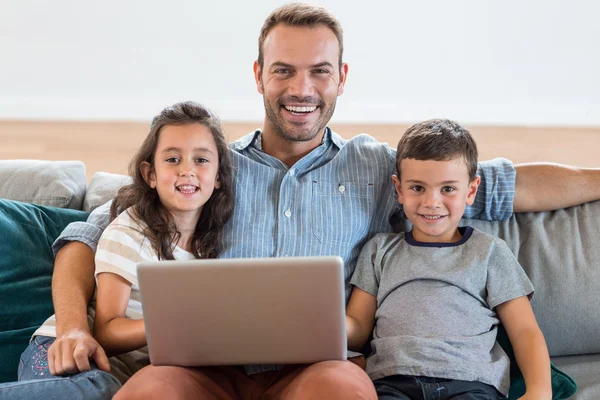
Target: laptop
column 288, row 310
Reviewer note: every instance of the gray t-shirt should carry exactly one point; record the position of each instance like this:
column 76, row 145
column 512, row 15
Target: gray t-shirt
column 435, row 305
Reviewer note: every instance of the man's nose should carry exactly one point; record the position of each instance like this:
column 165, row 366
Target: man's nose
column 301, row 85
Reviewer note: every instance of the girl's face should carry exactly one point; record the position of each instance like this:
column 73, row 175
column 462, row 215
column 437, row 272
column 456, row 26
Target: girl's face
column 185, row 171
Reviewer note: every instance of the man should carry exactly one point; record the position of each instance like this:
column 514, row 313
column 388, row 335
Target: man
column 300, row 189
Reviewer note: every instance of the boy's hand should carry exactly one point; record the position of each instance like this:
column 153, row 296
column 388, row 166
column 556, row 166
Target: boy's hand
column 71, row 352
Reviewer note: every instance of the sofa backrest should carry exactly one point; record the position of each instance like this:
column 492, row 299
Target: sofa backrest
column 48, row 183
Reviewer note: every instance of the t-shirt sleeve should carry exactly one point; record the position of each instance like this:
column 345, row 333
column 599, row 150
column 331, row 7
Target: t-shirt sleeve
column 367, row 272
column 496, row 192
column 119, row 251
column 506, row 279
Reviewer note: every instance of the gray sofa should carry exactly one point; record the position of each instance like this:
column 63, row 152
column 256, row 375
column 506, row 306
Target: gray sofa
column 559, row 250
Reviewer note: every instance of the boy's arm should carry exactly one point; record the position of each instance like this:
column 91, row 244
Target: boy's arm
column 529, row 345
column 114, row 331
column 360, row 318
column 548, row 186
column 72, row 288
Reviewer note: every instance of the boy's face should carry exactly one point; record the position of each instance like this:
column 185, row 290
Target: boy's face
column 434, row 195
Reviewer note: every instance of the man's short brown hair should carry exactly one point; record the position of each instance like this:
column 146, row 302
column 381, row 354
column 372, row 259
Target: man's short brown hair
column 301, row 15
column 438, row 140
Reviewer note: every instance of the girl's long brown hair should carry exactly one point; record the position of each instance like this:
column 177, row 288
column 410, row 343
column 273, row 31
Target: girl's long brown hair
column 207, row 241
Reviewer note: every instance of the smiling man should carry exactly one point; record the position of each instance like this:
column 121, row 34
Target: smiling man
column 300, row 189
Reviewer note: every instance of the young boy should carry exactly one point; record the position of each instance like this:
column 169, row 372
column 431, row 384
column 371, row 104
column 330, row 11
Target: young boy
column 435, row 295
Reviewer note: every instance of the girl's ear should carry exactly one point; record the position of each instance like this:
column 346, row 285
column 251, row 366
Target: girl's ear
column 473, row 185
column 217, row 182
column 148, row 174
column 398, row 186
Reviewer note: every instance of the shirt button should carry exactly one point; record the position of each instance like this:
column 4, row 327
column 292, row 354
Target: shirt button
column 287, row 213
column 292, row 172
column 342, row 188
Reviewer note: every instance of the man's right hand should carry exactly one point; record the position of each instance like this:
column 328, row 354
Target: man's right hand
column 71, row 353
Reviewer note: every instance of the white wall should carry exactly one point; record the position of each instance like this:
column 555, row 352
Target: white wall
column 512, row 62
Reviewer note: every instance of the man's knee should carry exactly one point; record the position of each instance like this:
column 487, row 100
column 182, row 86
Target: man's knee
column 337, row 380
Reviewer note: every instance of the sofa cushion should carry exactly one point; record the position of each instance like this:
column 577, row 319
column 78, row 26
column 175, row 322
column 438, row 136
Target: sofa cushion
column 585, row 370
column 26, row 235
column 563, row 386
column 560, row 253
column 102, row 188
column 49, row 183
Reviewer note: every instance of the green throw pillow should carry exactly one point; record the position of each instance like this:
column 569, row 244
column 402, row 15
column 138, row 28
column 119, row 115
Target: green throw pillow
column 27, row 232
column 563, row 386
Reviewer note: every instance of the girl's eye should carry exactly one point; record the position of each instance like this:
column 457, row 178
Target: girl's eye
column 201, row 160
column 417, row 188
column 172, row 160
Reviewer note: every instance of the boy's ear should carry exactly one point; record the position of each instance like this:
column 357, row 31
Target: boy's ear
column 398, row 187
column 148, row 174
column 473, row 185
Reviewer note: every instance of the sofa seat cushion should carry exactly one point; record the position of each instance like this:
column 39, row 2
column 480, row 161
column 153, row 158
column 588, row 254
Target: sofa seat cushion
column 585, row 370
column 26, row 264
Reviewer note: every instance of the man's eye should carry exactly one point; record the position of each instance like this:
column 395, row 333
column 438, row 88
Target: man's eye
column 321, row 71
column 282, row 71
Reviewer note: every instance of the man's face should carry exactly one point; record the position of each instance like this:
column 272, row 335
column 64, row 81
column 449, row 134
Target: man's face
column 300, row 80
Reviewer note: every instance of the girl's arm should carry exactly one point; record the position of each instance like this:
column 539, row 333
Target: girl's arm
column 113, row 330
column 529, row 345
column 360, row 318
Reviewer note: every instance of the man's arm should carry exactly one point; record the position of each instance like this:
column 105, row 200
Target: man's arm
column 548, row 186
column 72, row 288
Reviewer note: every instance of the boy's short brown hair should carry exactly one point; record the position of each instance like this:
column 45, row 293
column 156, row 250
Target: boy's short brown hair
column 438, row 140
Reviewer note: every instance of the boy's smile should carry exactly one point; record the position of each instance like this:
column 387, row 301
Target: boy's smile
column 434, row 195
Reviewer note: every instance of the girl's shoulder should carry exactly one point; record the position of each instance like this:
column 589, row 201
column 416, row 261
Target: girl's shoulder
column 127, row 222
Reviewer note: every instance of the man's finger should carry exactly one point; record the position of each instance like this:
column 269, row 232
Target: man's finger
column 101, row 359
column 51, row 355
column 81, row 356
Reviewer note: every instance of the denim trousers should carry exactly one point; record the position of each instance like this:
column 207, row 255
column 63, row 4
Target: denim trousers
column 36, row 381
column 404, row 387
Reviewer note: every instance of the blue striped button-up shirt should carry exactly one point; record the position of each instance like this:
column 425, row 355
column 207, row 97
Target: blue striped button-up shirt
column 329, row 203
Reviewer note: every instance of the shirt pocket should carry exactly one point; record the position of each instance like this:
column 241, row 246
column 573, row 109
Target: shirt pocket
column 341, row 212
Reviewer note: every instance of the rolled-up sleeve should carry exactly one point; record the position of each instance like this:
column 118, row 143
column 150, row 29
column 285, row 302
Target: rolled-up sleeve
column 496, row 193
column 88, row 232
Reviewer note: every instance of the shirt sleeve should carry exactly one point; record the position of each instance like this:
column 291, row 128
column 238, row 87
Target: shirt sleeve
column 496, row 193
column 119, row 251
column 506, row 279
column 88, row 232
column 365, row 276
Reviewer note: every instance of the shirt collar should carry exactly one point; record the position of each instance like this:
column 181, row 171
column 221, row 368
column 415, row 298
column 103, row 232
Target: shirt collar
column 255, row 139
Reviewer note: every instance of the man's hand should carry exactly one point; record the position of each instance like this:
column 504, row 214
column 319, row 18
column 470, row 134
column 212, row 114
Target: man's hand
column 71, row 353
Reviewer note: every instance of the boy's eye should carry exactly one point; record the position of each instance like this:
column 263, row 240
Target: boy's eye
column 448, row 189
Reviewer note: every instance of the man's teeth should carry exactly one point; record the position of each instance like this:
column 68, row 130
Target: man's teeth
column 301, row 109
column 432, row 216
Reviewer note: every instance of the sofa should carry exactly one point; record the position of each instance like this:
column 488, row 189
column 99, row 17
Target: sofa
column 559, row 250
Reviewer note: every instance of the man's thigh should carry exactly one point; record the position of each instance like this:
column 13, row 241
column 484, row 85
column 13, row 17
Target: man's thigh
column 325, row 380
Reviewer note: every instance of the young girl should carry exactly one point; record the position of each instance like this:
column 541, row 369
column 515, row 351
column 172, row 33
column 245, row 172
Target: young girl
column 176, row 207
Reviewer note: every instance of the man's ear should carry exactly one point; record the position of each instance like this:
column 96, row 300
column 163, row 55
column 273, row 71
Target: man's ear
column 148, row 174
column 398, row 187
column 258, row 77
column 473, row 185
column 343, row 76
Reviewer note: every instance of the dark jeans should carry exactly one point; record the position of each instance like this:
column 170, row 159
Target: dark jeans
column 402, row 387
